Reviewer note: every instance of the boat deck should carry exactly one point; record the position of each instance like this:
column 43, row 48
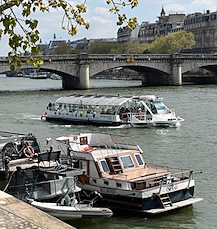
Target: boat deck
column 138, row 174
column 25, row 163
column 177, row 205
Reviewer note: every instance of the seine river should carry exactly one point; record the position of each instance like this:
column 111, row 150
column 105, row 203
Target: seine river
column 193, row 145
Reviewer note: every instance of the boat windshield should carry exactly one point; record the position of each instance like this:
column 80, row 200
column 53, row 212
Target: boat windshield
column 159, row 105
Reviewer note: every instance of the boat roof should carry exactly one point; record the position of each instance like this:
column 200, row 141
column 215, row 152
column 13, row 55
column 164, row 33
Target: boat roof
column 94, row 100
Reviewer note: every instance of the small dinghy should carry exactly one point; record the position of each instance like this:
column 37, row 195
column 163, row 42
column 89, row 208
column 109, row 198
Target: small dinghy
column 72, row 212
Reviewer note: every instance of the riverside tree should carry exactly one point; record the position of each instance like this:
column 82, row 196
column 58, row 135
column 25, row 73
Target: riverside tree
column 23, row 34
column 172, row 43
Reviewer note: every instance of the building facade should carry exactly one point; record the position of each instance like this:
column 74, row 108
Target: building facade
column 204, row 28
column 148, row 32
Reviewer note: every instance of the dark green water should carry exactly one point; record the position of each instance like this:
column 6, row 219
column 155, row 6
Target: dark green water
column 193, row 145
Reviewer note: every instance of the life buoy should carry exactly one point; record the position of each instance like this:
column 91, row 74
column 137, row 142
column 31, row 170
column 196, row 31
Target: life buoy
column 88, row 149
column 28, row 152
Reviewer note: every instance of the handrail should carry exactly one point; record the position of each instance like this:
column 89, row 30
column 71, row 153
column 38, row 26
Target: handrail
column 157, row 165
column 190, row 171
column 162, row 184
column 190, row 178
column 108, row 178
column 165, row 166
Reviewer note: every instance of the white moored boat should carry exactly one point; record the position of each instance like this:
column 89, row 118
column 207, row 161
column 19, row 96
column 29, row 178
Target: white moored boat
column 72, row 212
column 145, row 110
column 119, row 172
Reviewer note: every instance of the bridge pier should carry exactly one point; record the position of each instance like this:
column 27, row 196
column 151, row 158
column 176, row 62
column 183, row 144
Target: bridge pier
column 177, row 75
column 84, row 76
column 80, row 82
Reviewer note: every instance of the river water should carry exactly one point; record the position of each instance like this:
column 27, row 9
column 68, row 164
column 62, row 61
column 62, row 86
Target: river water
column 193, row 145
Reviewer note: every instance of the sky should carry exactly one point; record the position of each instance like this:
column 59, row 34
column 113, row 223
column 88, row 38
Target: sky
column 103, row 23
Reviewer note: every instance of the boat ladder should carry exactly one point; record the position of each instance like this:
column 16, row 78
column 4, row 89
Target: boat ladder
column 116, row 166
column 165, row 200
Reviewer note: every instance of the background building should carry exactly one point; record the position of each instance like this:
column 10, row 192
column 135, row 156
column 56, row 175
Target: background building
column 204, row 28
column 148, row 32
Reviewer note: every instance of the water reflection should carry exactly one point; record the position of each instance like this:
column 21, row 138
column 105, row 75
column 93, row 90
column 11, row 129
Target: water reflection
column 180, row 219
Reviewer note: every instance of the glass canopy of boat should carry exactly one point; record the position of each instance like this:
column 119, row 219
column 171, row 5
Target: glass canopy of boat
column 93, row 100
column 95, row 104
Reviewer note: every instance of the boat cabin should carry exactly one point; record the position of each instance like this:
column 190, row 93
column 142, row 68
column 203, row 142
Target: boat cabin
column 110, row 105
column 109, row 164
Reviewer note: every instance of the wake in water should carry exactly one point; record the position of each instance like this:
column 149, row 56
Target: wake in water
column 116, row 127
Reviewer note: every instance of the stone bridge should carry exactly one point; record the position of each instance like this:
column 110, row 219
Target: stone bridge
column 158, row 69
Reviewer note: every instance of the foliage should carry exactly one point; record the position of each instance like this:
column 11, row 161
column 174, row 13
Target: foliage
column 65, row 49
column 62, row 49
column 135, row 48
column 28, row 39
column 122, row 17
column 172, row 43
column 115, row 48
column 98, row 47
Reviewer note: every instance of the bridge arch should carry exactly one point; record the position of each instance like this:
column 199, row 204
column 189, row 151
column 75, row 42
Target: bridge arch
column 149, row 76
column 186, row 67
column 96, row 68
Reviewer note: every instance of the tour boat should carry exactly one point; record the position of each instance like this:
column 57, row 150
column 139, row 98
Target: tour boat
column 38, row 75
column 136, row 111
column 119, row 172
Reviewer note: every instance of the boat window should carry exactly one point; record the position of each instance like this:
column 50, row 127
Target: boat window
column 118, row 185
column 104, row 166
column 106, row 182
column 127, row 162
column 139, row 159
column 59, row 106
column 83, row 165
column 159, row 105
column 83, row 141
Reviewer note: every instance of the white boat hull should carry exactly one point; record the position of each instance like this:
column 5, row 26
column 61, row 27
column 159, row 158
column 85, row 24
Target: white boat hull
column 72, row 212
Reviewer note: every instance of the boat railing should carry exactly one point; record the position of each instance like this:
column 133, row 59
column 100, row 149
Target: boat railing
column 111, row 178
column 2, row 161
column 175, row 178
column 108, row 147
column 116, row 147
column 184, row 174
column 157, row 166
column 141, row 116
column 163, row 181
column 126, row 145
